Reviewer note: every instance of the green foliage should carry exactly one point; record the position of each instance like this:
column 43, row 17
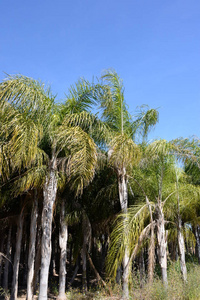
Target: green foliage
column 126, row 232
column 36, row 131
column 115, row 111
column 82, row 156
column 125, row 153
column 81, row 97
column 145, row 120
column 26, row 95
column 177, row 289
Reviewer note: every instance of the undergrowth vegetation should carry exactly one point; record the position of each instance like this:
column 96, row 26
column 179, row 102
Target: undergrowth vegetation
column 176, row 290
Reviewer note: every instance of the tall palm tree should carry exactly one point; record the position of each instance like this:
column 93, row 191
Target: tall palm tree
column 123, row 152
column 43, row 141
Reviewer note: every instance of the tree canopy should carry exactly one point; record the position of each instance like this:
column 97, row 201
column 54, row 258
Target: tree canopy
column 87, row 193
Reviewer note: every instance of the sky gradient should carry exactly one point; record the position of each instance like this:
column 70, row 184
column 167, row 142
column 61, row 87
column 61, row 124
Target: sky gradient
column 153, row 45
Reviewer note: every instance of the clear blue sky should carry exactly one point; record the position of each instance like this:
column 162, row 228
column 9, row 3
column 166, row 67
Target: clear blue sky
column 153, row 45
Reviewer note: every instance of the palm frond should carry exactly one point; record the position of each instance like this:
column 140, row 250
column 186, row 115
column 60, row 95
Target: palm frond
column 126, row 233
column 182, row 149
column 33, row 178
column 27, row 94
column 188, row 150
column 161, row 148
column 25, row 137
column 124, row 152
column 145, row 120
column 189, row 237
column 89, row 123
column 81, row 97
column 114, row 109
column 82, row 153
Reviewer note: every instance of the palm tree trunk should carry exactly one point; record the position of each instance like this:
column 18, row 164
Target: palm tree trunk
column 84, row 268
column 151, row 250
column 181, row 245
column 162, row 242
column 87, row 233
column 151, row 255
column 63, row 252
column 24, row 254
column 84, row 254
column 31, row 255
column 8, row 255
column 17, row 257
column 198, row 242
column 123, row 197
column 49, row 194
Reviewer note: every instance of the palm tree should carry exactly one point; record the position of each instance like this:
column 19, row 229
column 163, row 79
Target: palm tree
column 163, row 156
column 43, row 141
column 154, row 178
column 192, row 170
column 123, row 152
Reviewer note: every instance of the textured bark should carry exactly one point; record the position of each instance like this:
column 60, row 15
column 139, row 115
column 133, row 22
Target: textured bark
column 84, row 254
column 197, row 231
column 181, row 245
column 123, row 197
column 49, row 194
column 17, row 257
column 162, row 242
column 125, row 275
column 151, row 255
column 151, row 250
column 8, row 255
column 123, row 190
column 63, row 252
column 31, row 255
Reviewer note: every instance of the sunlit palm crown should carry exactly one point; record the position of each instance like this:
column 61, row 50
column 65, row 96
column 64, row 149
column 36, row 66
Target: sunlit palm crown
column 123, row 128
column 37, row 129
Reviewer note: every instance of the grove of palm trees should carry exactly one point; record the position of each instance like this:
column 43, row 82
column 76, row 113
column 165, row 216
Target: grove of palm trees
column 89, row 207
